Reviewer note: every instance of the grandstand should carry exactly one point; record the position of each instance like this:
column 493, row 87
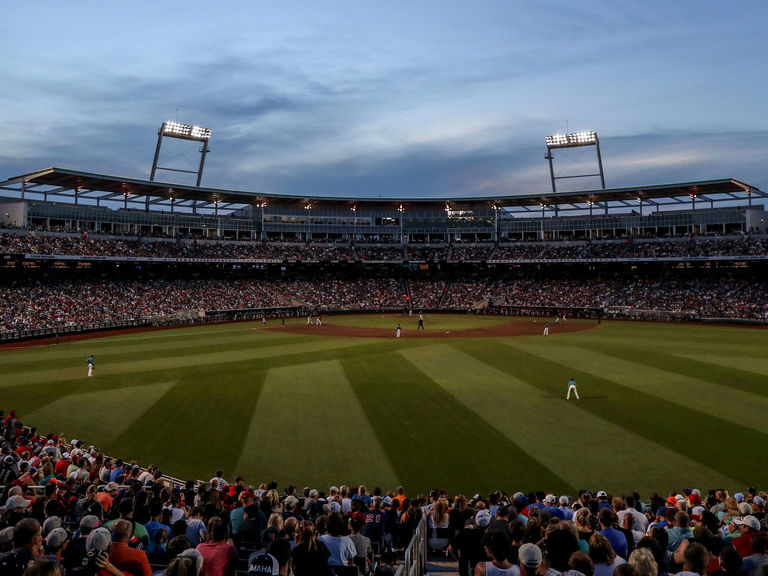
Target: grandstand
column 71, row 232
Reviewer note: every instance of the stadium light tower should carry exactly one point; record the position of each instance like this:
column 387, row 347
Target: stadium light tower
column 182, row 132
column 577, row 139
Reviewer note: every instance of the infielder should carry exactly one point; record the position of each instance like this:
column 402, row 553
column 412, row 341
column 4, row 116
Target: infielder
column 572, row 388
column 397, row 332
column 546, row 328
column 91, row 365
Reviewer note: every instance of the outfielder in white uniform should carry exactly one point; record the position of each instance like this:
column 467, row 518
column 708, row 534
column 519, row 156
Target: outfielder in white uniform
column 572, row 388
column 91, row 365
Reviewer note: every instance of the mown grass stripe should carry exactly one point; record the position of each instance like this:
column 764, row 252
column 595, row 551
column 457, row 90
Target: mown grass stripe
column 76, row 370
column 101, row 415
column 550, row 430
column 700, row 369
column 200, row 424
column 432, row 439
column 309, row 424
column 682, row 429
column 715, row 399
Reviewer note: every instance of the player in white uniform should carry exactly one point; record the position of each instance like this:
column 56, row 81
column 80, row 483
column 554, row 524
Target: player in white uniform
column 91, row 365
column 572, row 388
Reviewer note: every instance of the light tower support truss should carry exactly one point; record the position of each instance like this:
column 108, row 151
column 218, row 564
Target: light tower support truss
column 182, row 132
column 575, row 140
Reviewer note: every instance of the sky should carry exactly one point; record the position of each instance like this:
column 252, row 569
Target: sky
column 396, row 99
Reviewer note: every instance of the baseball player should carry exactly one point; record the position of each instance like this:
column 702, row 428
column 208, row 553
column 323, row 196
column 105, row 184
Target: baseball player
column 91, row 365
column 397, row 332
column 572, row 388
column 546, row 328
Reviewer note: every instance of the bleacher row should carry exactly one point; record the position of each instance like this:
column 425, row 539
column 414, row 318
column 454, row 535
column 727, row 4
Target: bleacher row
column 16, row 242
column 69, row 509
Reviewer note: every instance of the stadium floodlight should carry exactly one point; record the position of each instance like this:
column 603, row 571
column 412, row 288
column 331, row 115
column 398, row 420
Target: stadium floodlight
column 573, row 140
column 172, row 129
column 186, row 131
column 584, row 138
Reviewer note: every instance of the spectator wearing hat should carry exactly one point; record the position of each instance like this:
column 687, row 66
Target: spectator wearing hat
column 56, row 542
column 98, row 547
column 602, row 499
column 27, row 546
column 16, row 509
column 62, row 465
column 747, row 526
column 6, row 540
column 529, row 558
column 75, row 551
column 131, row 561
column 758, row 510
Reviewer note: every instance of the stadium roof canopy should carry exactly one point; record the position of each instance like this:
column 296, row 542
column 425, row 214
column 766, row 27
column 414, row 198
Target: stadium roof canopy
column 74, row 185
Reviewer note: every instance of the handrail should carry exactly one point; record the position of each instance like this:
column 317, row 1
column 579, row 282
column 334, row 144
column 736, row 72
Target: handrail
column 415, row 561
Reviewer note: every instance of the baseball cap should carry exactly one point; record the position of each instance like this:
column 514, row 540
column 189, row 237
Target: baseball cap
column 672, row 501
column 56, row 538
column 50, row 524
column 98, row 540
column 564, row 500
column 89, row 521
column 264, row 564
column 111, row 487
column 529, row 555
column 758, row 501
column 17, row 502
column 6, row 535
column 739, row 496
column 333, row 489
column 65, row 456
column 483, row 517
column 662, row 511
column 291, row 501
column 696, row 512
column 601, row 494
column 748, row 521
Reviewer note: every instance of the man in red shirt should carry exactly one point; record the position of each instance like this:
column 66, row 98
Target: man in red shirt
column 130, row 561
column 748, row 525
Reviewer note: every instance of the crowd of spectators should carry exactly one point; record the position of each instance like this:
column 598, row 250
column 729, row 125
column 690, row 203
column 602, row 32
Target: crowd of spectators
column 38, row 305
column 79, row 244
column 67, row 509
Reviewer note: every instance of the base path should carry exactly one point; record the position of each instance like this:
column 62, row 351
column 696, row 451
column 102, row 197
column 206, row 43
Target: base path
column 516, row 327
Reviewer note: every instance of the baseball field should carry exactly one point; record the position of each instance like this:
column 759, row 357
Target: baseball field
column 471, row 403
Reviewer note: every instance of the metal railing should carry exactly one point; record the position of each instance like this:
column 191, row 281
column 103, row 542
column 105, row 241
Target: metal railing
column 415, row 562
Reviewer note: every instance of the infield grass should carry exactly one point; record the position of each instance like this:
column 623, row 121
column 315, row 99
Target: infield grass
column 662, row 406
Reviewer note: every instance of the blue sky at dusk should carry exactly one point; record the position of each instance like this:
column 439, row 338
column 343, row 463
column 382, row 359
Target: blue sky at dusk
column 362, row 98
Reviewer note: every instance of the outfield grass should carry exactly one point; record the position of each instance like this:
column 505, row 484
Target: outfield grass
column 662, row 406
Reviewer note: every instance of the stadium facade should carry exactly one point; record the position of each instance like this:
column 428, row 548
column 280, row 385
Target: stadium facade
column 104, row 204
